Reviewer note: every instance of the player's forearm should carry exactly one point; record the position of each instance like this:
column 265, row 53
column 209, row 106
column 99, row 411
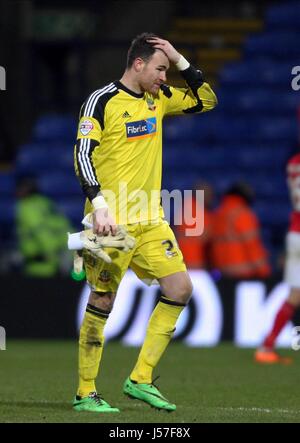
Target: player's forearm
column 85, row 169
column 91, row 192
column 202, row 91
column 193, row 77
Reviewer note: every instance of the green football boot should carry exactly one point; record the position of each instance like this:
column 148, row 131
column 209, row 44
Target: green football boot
column 92, row 403
column 148, row 393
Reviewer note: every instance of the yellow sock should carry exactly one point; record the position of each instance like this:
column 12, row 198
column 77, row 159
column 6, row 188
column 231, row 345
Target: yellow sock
column 91, row 341
column 160, row 330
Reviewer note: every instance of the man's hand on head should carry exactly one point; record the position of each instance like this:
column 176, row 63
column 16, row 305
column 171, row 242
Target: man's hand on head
column 166, row 47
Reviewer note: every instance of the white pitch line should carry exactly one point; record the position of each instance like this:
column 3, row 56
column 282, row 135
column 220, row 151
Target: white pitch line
column 267, row 410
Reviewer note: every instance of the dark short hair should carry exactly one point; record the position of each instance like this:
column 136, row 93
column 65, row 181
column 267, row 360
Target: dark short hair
column 140, row 48
column 242, row 189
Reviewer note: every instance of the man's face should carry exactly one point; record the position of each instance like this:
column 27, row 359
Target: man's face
column 153, row 72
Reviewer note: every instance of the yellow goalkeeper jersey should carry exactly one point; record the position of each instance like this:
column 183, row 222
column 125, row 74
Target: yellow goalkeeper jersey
column 119, row 144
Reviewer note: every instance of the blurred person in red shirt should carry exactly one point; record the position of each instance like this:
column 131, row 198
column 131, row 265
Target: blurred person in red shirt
column 266, row 353
column 195, row 249
column 237, row 250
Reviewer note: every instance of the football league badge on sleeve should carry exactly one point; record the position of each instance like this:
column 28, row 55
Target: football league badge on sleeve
column 85, row 127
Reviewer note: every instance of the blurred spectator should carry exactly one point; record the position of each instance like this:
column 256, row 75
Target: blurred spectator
column 237, row 249
column 195, row 250
column 41, row 232
column 266, row 353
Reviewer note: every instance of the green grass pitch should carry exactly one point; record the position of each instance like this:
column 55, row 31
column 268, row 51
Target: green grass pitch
column 209, row 385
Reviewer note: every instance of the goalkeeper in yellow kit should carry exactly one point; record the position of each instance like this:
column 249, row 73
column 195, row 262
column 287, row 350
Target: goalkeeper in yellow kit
column 118, row 160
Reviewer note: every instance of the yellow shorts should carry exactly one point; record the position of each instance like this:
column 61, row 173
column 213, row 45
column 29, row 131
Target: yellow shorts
column 155, row 255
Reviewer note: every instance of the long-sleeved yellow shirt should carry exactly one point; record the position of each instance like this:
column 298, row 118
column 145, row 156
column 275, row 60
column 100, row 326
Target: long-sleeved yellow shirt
column 119, row 143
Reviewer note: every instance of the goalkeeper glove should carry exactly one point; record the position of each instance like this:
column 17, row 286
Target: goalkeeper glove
column 95, row 243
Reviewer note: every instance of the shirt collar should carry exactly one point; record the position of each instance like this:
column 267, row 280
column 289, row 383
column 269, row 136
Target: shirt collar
column 124, row 88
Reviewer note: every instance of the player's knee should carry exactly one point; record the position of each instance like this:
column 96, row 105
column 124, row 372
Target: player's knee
column 181, row 292
column 185, row 292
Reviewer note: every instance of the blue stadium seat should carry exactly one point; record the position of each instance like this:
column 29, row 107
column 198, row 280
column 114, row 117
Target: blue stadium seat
column 191, row 128
column 274, row 43
column 273, row 214
column 220, row 180
column 55, row 127
column 277, row 129
column 191, row 156
column 7, row 211
column 175, row 130
column 65, row 160
column 285, row 15
column 56, row 184
column 179, row 181
column 258, row 73
column 269, row 187
column 7, row 184
column 31, row 158
column 253, row 158
column 257, row 128
column 72, row 208
column 258, row 99
column 34, row 158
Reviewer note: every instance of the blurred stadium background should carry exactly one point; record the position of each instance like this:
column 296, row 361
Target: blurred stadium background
column 60, row 51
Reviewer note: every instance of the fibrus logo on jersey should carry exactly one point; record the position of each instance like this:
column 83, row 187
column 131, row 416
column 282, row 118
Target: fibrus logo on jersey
column 85, row 127
column 141, row 128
